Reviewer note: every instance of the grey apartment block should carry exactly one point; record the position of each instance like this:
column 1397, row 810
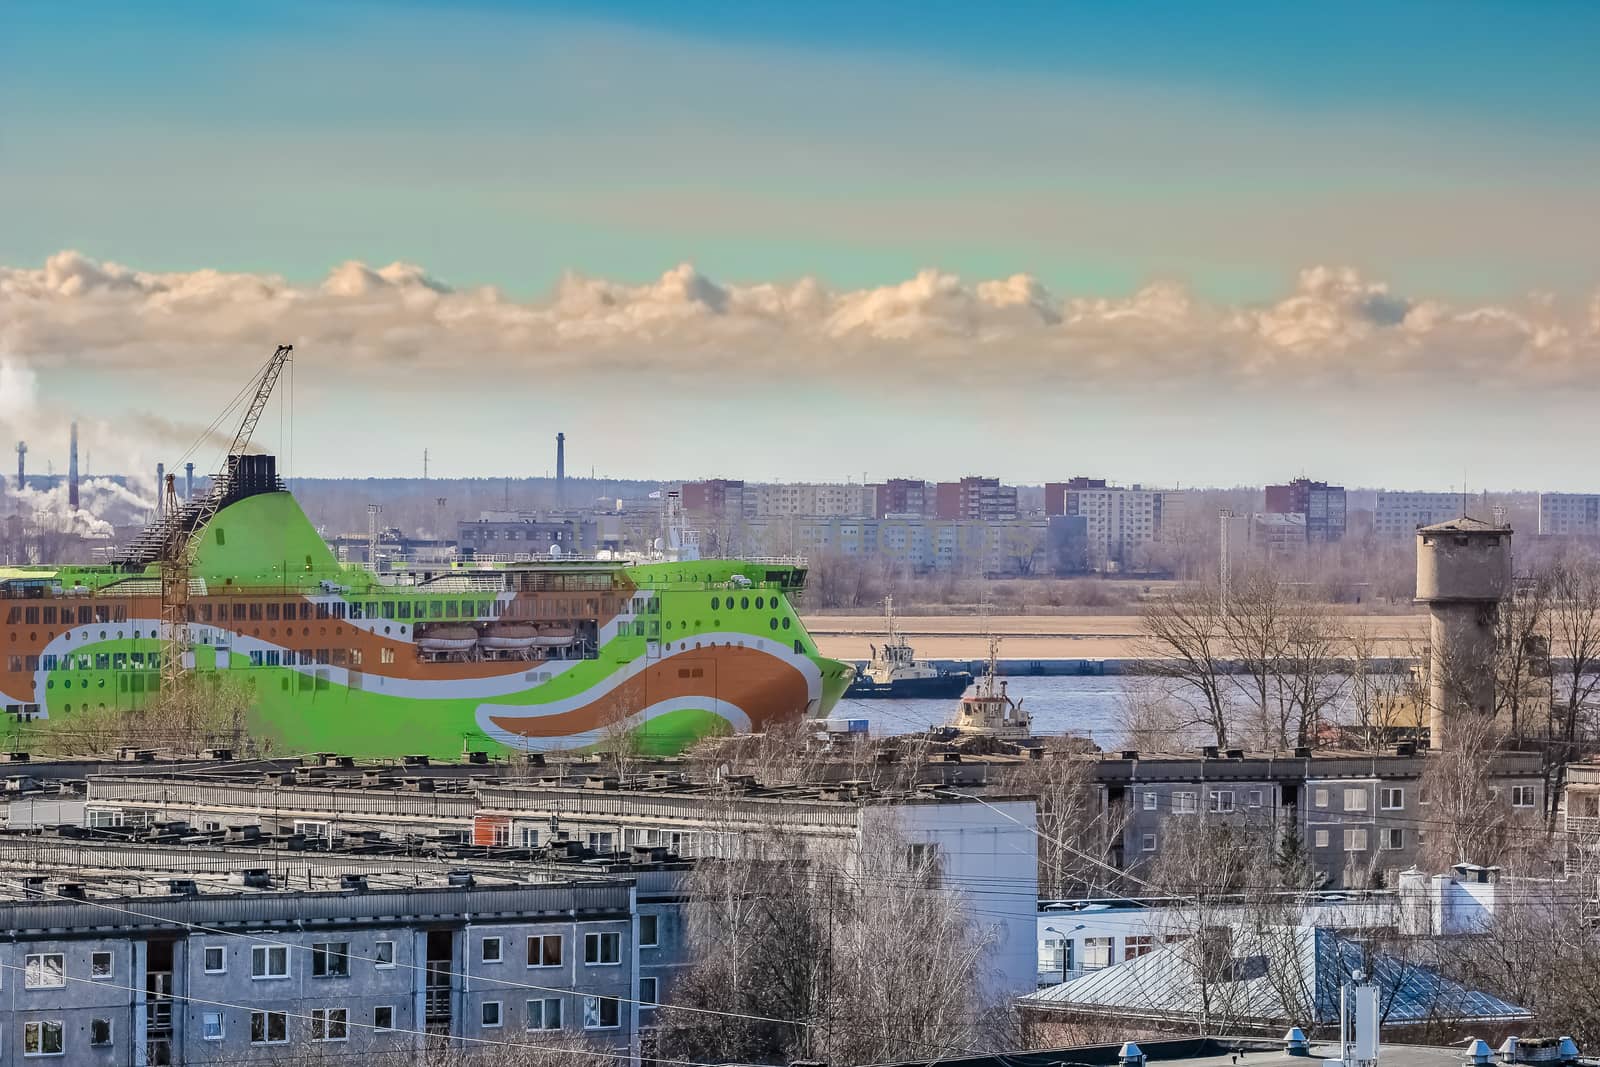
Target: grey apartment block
column 191, row 977
column 1361, row 819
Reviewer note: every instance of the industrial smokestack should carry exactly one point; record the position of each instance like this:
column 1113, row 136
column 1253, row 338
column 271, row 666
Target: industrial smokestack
column 561, row 468
column 22, row 465
column 161, row 494
column 188, row 481
column 72, row 469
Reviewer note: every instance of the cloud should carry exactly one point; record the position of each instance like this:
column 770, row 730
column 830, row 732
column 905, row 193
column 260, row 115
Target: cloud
column 1333, row 324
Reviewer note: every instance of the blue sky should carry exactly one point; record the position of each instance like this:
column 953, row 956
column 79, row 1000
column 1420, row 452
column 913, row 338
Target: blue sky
column 1447, row 150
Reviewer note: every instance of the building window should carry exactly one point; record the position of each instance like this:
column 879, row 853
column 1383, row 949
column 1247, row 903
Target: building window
column 1392, row 798
column 1222, row 800
column 100, row 965
column 1522, row 796
column 1097, row 953
column 1255, row 798
column 1391, row 837
column 1355, row 799
column 1151, row 800
column 383, row 954
column 1183, row 803
column 269, row 1028
column 43, row 1038
column 490, row 1014
column 100, row 1032
column 330, row 959
column 1355, row 839
column 544, row 951
column 1147, row 843
column 544, row 1014
column 491, row 950
column 216, row 959
column 46, row 970
column 1321, row 839
column 383, row 1017
column 329, row 1024
column 601, row 1013
column 647, row 992
column 312, row 830
column 530, row 837
column 211, row 1025
column 269, row 961
column 1138, row 945
column 1320, row 798
column 602, row 949
column 649, row 931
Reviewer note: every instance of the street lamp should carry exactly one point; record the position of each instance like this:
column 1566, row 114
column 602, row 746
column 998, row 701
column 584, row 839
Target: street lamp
column 1066, row 946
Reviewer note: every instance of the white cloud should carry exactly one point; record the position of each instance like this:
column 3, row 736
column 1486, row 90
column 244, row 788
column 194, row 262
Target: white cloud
column 1333, row 324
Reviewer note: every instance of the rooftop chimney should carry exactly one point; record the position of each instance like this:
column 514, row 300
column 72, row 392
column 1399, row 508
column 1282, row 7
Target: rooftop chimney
column 188, row 481
column 161, row 496
column 72, row 469
column 561, row 469
column 22, row 464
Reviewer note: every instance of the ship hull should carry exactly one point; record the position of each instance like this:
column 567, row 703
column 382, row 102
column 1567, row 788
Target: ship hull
column 942, row 687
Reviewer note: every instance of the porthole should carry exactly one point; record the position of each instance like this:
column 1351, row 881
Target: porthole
column 759, row 604
column 669, row 624
column 786, row 622
column 772, row 624
column 715, row 603
column 744, row 602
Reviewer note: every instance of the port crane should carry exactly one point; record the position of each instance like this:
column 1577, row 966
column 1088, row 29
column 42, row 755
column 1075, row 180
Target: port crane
column 180, row 536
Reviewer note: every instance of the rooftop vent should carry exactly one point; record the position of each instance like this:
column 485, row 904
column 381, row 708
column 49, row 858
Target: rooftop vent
column 1130, row 1055
column 460, row 880
column 1236, row 753
column 374, row 779
column 1405, row 748
column 248, row 832
column 353, row 881
column 1303, row 752
column 129, row 754
column 478, row 759
column 1295, row 1043
column 1130, row 753
column 217, row 755
column 1542, row 1051
column 252, row 878
column 333, row 759
column 1479, row 1054
column 278, row 778
column 533, row 759
column 14, row 757
column 182, row 887
column 33, row 885
column 413, row 761
column 72, row 891
column 309, row 774
column 419, row 785
column 21, row 783
column 1206, row 752
column 599, row 781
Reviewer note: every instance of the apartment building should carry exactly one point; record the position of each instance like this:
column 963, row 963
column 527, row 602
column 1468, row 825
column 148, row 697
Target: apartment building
column 902, row 497
column 909, row 542
column 1397, row 515
column 976, row 499
column 246, row 967
column 1569, row 514
column 528, row 535
column 1119, row 520
column 823, row 499
column 1321, row 504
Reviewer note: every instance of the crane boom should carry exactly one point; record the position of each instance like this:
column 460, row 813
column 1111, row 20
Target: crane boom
column 182, row 542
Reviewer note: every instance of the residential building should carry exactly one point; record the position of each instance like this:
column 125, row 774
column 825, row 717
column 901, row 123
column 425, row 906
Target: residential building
column 528, row 535
column 976, row 499
column 1119, row 521
column 236, row 968
column 1055, row 493
column 794, row 499
column 902, row 497
column 1322, row 505
column 983, row 848
column 1397, row 515
column 913, row 543
column 718, row 500
column 1276, row 536
column 1569, row 514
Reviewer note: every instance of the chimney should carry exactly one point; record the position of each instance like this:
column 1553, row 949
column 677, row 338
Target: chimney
column 161, row 481
column 188, row 481
column 72, row 469
column 561, row 469
column 22, row 464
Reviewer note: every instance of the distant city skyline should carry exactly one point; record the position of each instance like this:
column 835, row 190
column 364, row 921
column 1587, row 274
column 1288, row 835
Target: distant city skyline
column 1180, row 246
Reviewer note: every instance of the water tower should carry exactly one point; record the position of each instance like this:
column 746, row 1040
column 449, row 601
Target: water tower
column 1463, row 573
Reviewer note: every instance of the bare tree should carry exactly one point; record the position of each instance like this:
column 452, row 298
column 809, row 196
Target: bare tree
column 1574, row 623
column 1072, row 828
column 1468, row 822
column 1385, row 696
column 1184, row 641
column 1255, row 626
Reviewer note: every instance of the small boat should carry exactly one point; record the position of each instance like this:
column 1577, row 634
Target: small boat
column 509, row 637
column 448, row 642
column 556, row 637
column 895, row 672
column 988, row 711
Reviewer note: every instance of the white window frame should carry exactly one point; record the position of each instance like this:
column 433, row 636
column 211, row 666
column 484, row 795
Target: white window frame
column 499, row 950
column 1256, row 796
column 1183, row 803
column 1384, row 795
column 597, row 1003
column 1355, row 798
column 377, row 955
column 561, row 949
column 1147, row 843
column 653, row 997
column 377, row 1027
column 1320, row 839
column 323, row 952
column 599, row 939
column 542, row 1005
column 205, row 959
column 34, row 971
column 111, row 965
column 264, row 973
column 1222, row 801
column 41, row 1028
column 655, row 929
column 1152, row 800
column 221, row 1019
column 266, row 1028
column 499, row 1014
column 1518, row 791
column 1388, row 842
column 1353, row 834
column 1319, row 797
column 1093, row 946
column 323, row 1019
column 111, row 1033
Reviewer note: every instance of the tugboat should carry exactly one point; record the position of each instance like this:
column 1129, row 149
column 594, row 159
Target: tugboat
column 987, row 711
column 894, row 671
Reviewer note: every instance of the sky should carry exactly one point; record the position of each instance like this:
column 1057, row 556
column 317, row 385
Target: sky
column 1169, row 243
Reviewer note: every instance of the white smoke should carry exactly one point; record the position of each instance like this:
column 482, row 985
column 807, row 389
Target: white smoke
column 103, row 504
column 19, row 389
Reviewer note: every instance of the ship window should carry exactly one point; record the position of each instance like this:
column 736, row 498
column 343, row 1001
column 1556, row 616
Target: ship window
column 355, row 609
column 322, row 610
column 759, row 605
column 255, row 611
column 205, row 612
column 85, row 615
column 273, row 659
column 256, row 659
column 786, row 622
column 715, row 603
column 272, row 611
column 744, row 602
column 386, row 655
column 388, row 609
column 372, row 609
column 436, row 609
column 772, row 624
column 404, row 609
column 238, row 612
column 338, row 609
column 305, row 611
column 797, row 649
column 450, row 609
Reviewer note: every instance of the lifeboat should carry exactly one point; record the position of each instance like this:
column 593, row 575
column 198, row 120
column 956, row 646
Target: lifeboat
column 556, row 637
column 448, row 639
column 509, row 637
